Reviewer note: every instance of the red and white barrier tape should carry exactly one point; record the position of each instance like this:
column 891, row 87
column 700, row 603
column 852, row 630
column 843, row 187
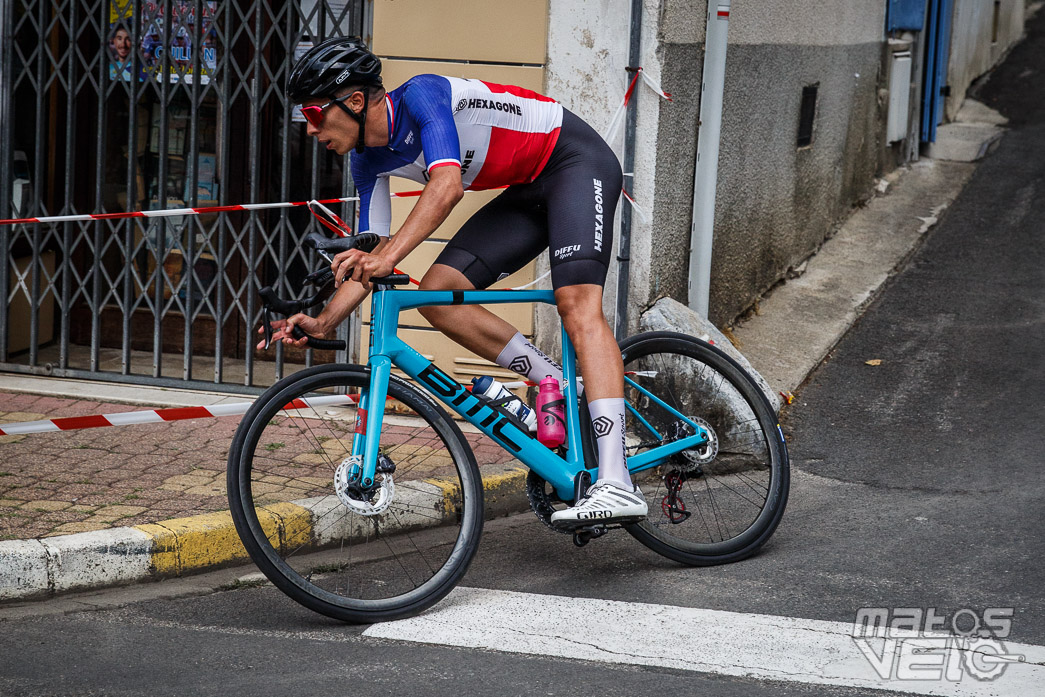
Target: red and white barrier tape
column 152, row 416
column 172, row 212
column 618, row 115
column 618, row 120
column 155, row 416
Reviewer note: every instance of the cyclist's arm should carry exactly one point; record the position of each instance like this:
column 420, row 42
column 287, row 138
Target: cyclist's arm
column 440, row 195
column 347, row 298
column 428, row 99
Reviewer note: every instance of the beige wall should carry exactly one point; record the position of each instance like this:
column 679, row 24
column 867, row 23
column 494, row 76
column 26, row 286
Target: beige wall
column 496, row 31
column 443, row 37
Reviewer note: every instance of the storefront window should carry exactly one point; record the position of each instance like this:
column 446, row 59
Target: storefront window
column 171, row 104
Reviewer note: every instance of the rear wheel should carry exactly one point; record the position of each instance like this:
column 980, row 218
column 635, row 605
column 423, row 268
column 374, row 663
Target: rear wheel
column 719, row 502
column 385, row 551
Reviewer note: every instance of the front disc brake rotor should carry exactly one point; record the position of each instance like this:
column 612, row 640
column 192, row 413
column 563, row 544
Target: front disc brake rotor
column 371, row 501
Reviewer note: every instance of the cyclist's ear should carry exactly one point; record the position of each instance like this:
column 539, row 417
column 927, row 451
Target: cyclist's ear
column 357, row 98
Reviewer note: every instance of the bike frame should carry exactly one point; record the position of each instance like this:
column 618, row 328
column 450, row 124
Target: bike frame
column 387, row 349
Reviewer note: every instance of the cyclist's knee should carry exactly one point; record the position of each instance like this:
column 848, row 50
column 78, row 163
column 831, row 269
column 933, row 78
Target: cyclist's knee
column 441, row 277
column 579, row 306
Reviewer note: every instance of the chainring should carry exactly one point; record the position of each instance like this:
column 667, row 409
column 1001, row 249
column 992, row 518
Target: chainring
column 541, row 500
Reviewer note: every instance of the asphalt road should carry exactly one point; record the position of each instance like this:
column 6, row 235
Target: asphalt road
column 917, row 483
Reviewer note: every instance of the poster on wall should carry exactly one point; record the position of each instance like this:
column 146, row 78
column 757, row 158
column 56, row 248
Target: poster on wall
column 151, row 48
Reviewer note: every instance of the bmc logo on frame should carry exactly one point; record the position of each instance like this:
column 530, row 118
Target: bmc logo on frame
column 907, row 643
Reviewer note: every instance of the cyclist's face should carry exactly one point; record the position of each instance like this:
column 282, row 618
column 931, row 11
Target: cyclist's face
column 337, row 131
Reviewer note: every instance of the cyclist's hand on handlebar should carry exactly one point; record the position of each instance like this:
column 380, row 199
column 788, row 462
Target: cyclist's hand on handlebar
column 360, row 267
column 282, row 328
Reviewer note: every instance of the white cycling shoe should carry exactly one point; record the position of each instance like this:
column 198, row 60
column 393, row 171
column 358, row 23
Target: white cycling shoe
column 604, row 503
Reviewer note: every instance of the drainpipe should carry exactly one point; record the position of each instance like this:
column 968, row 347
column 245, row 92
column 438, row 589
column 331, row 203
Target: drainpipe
column 705, row 178
column 620, row 329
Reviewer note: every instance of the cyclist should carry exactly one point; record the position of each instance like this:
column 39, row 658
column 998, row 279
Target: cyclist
column 453, row 134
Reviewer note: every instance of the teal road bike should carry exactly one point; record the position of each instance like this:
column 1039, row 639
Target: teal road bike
column 360, row 497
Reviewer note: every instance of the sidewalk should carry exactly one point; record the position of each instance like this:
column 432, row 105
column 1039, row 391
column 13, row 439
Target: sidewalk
column 70, row 501
column 99, row 478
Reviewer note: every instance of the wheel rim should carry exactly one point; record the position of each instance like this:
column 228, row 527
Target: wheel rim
column 699, row 505
column 322, row 552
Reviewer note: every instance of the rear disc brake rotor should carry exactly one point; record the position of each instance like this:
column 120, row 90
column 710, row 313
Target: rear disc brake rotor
column 695, row 458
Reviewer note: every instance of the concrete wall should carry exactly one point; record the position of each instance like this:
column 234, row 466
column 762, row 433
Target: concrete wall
column 776, row 203
column 587, row 56
column 973, row 50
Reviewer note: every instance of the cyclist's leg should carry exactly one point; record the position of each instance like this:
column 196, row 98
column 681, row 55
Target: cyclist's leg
column 498, row 240
column 472, row 326
column 582, row 194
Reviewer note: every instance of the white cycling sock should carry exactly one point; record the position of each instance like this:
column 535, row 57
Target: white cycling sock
column 526, row 359
column 607, row 419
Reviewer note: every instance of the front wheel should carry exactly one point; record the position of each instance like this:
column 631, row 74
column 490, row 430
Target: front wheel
column 716, row 503
column 359, row 555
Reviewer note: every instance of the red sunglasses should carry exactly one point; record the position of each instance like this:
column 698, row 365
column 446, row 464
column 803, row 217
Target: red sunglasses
column 314, row 114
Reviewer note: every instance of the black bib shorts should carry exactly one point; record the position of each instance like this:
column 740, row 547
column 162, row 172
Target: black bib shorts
column 568, row 209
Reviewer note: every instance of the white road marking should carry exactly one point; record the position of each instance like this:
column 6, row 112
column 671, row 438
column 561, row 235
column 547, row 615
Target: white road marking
column 711, row 641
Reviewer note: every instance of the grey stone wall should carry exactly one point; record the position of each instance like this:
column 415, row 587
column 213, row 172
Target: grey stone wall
column 776, row 203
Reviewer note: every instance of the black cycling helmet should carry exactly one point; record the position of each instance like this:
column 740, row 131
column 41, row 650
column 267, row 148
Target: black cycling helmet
column 325, row 68
column 333, row 64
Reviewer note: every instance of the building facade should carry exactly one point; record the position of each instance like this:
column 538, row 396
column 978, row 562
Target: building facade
column 125, row 105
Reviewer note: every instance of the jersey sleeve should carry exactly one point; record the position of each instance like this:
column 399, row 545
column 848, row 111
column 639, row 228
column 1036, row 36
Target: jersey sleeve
column 427, row 97
column 375, row 203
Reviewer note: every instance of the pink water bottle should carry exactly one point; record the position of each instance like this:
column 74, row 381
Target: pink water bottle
column 551, row 422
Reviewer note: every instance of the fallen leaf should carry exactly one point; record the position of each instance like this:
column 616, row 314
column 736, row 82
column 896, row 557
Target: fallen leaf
column 873, row 361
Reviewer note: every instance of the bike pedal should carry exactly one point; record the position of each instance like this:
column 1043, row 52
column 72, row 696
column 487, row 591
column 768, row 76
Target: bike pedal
column 615, row 524
column 584, row 535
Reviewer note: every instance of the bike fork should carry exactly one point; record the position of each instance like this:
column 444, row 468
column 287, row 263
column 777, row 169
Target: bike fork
column 366, row 442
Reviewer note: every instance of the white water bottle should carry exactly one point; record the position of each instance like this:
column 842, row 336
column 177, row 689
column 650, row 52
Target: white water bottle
column 494, row 391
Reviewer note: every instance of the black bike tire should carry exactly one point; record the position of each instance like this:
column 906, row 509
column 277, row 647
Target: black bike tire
column 773, row 510
column 283, row 576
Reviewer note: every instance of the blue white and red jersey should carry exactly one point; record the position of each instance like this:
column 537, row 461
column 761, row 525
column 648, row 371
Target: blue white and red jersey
column 498, row 135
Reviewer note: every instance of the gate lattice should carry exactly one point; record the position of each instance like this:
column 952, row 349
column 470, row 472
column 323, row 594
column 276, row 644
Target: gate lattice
column 114, row 105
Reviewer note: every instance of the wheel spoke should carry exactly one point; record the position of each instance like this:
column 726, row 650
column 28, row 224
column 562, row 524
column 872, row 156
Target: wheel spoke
column 348, row 564
column 729, row 484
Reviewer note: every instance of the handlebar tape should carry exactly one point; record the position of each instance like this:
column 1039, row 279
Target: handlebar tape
column 392, row 279
column 317, row 343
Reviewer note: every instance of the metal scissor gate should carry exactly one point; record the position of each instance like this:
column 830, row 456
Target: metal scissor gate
column 122, row 105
